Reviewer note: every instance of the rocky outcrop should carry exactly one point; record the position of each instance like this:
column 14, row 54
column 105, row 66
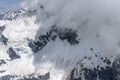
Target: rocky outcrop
column 63, row 34
column 12, row 54
column 109, row 72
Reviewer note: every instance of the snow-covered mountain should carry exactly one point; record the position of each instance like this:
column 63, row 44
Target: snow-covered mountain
column 4, row 11
column 11, row 15
column 61, row 40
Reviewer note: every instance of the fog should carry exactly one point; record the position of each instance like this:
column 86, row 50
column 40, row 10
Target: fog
column 96, row 21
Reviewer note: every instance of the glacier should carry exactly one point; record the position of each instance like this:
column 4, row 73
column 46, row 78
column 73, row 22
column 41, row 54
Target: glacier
column 61, row 40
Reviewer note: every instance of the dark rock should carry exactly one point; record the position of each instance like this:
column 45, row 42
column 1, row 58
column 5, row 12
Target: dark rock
column 2, row 62
column 99, row 73
column 69, row 35
column 2, row 28
column 96, row 55
column 42, row 7
column 12, row 54
column 6, row 77
column 91, row 49
column 63, row 34
column 4, row 39
column 40, row 77
column 101, row 58
column 29, row 78
column 44, row 77
column 2, row 71
column 54, row 37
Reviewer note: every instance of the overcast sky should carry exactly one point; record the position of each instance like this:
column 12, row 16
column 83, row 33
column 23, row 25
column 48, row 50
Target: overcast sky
column 7, row 3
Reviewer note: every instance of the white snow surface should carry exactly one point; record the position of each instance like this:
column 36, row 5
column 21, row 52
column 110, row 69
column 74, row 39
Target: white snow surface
column 90, row 18
column 17, row 32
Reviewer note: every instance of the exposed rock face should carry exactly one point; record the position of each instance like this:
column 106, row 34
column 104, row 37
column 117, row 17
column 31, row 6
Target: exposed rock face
column 63, row 34
column 28, row 77
column 2, row 28
column 109, row 72
column 2, row 62
column 12, row 54
column 18, row 13
column 4, row 39
column 61, row 40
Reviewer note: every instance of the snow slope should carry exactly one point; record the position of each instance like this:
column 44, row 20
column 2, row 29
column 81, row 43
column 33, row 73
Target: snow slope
column 61, row 40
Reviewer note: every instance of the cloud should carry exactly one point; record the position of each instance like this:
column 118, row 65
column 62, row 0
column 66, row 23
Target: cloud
column 90, row 18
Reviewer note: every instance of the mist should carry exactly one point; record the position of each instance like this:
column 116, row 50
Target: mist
column 95, row 23
column 90, row 18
